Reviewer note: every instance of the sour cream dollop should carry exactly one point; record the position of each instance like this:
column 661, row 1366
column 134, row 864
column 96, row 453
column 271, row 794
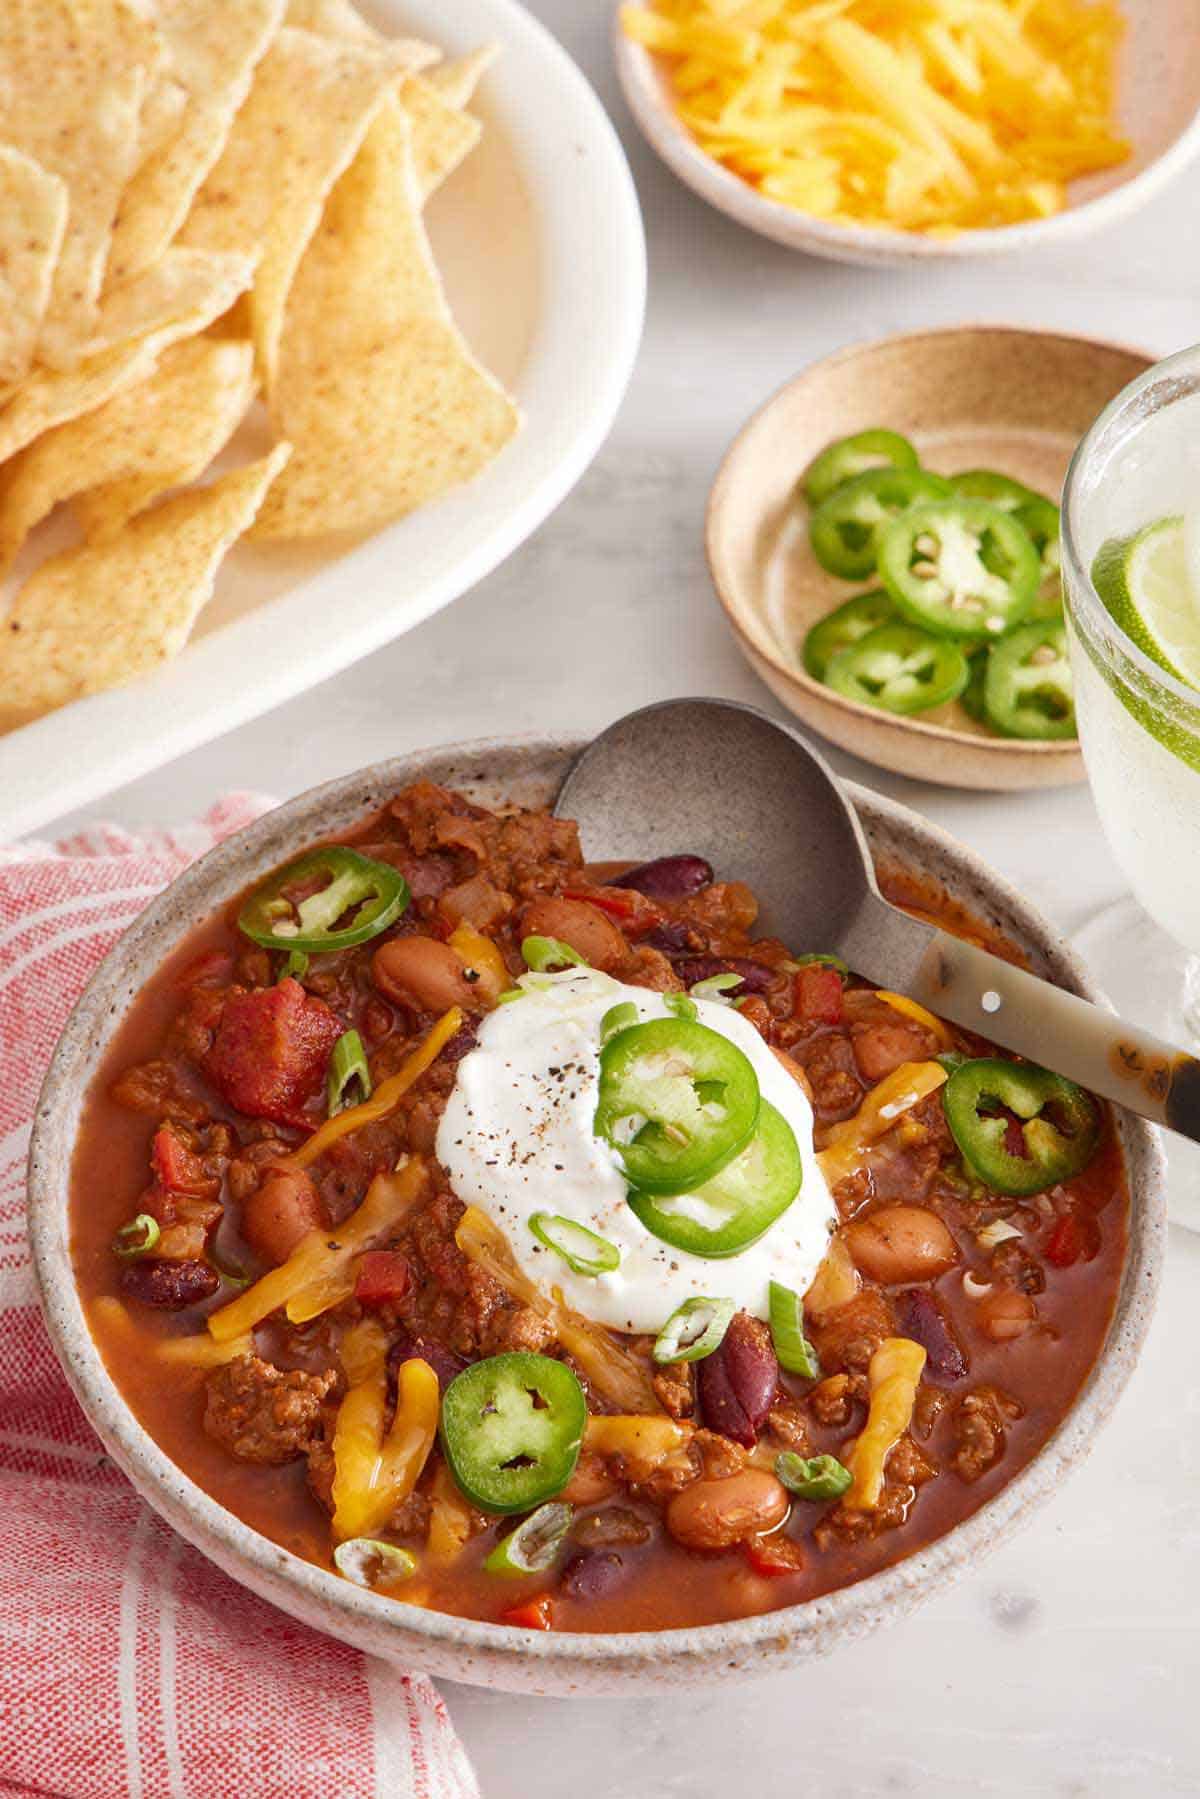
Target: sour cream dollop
column 517, row 1137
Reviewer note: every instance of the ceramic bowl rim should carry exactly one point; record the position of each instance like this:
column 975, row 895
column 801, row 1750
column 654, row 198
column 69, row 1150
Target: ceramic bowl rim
column 510, row 1655
column 796, row 230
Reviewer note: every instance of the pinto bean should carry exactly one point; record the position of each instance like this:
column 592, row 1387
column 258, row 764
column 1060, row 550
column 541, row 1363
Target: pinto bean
column 755, row 978
column 737, row 1382
column 171, row 1285
column 668, row 877
column 421, row 972
column 715, row 1514
column 901, row 1243
column 577, row 922
column 1005, row 1314
column 279, row 1212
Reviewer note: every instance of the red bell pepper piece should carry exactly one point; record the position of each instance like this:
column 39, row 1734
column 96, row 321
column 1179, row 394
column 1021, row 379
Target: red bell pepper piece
column 1065, row 1244
column 535, row 1614
column 176, row 1168
column 383, row 1275
column 818, row 995
column 775, row 1555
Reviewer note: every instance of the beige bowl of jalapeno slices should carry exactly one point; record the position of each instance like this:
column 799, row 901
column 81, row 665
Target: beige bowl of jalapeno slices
column 883, row 536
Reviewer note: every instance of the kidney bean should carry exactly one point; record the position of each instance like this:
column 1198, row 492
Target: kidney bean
column 715, row 1514
column 755, row 978
column 737, row 1382
column 592, row 1574
column 446, row 1363
column 668, row 877
column 171, row 1285
column 920, row 1318
column 671, row 938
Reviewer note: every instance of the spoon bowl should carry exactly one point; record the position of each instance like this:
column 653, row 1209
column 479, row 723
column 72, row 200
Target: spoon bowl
column 725, row 781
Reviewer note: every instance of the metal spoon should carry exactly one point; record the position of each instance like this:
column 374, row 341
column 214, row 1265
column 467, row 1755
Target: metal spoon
column 726, row 782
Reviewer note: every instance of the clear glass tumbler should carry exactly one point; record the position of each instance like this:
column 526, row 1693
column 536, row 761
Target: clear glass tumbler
column 1139, row 725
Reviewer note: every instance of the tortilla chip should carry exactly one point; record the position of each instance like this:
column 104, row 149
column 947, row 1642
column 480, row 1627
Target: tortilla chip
column 33, row 217
column 212, row 48
column 457, row 79
column 377, row 390
column 51, row 397
column 181, row 284
column 75, row 75
column 162, row 433
column 99, row 616
column 332, row 18
column 308, row 110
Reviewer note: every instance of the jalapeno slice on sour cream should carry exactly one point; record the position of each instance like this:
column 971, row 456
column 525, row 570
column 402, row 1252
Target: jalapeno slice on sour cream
column 733, row 1209
column 677, row 1101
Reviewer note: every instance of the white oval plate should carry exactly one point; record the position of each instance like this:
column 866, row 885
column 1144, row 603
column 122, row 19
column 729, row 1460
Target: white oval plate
column 539, row 239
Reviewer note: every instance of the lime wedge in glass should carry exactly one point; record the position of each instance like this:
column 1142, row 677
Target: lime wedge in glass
column 1146, row 584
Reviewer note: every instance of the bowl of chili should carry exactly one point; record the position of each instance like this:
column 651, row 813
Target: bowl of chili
column 820, row 491
column 512, row 1427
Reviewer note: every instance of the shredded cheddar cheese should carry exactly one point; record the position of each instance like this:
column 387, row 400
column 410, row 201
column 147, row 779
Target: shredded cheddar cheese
column 848, row 1145
column 893, row 1377
column 932, row 116
column 911, row 1008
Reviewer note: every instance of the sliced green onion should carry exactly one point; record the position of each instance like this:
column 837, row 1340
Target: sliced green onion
column 681, row 1005
column 544, row 953
column 509, row 995
column 950, row 1059
column 348, row 1070
column 694, row 1331
column 823, row 961
column 532, row 1547
column 136, row 1238
column 233, row 1277
column 582, row 1250
column 814, row 1477
column 716, row 987
column 618, row 1018
column 792, row 1347
column 369, row 1563
column 296, row 966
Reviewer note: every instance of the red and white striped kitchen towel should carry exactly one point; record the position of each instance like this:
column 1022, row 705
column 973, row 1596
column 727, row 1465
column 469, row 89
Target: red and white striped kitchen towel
column 130, row 1668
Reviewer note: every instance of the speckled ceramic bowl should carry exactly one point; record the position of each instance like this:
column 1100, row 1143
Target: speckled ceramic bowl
column 528, row 772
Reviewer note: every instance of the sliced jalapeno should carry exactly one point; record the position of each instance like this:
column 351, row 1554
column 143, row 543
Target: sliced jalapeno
column 694, row 1331
column 793, row 1351
column 998, row 490
column 812, row 1477
column 971, row 697
column 735, row 1207
column 899, row 668
column 1040, row 518
column 511, row 1429
column 1019, row 1127
column 854, row 455
column 534, row 1545
column 845, row 625
column 330, row 899
column 960, row 567
column 845, row 530
column 677, row 1101
column 1029, row 690
column 581, row 1249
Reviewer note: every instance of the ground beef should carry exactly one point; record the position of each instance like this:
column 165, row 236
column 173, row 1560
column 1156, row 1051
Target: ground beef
column 260, row 1413
column 849, row 1337
column 716, row 1456
column 832, row 1071
column 979, row 1431
column 517, row 1328
column 788, row 1424
column 674, row 1390
column 832, row 1400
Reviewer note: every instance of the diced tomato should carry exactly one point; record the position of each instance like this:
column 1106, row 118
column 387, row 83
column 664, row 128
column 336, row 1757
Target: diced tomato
column 535, row 1614
column 177, row 1169
column 1066, row 1242
column 271, row 1051
column 775, row 1555
column 383, row 1275
column 818, row 995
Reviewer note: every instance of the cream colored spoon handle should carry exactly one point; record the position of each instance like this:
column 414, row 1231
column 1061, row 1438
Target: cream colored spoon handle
column 1070, row 1035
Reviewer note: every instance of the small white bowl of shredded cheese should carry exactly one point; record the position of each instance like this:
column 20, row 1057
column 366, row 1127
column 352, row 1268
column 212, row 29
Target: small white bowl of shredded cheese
column 998, row 128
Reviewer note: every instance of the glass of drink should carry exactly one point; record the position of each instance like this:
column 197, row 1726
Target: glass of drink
column 1131, row 578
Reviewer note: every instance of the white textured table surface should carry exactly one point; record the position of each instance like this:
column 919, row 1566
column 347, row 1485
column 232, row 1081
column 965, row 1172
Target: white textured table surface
column 1068, row 1664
